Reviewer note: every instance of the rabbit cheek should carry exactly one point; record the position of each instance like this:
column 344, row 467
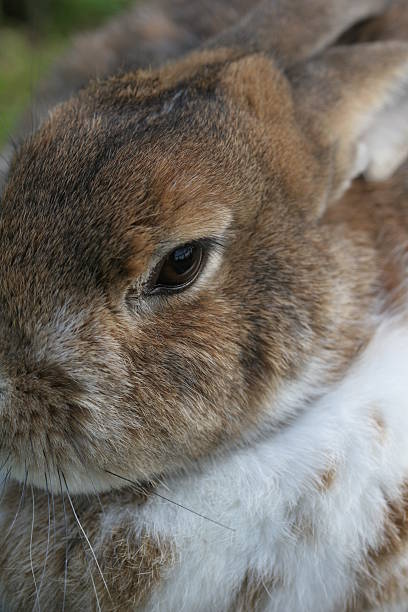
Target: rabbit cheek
column 188, row 400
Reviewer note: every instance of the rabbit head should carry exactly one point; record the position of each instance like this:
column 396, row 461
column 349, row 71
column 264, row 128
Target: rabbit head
column 167, row 285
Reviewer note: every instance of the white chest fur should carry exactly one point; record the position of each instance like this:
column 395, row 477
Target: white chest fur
column 305, row 505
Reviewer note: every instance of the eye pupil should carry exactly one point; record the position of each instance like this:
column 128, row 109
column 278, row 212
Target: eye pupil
column 182, row 258
column 180, row 268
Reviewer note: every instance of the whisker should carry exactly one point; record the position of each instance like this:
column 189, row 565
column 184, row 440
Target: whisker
column 85, row 536
column 32, row 449
column 97, row 495
column 37, row 602
column 171, row 501
column 20, row 504
column 94, row 588
column 81, row 460
column 53, row 517
column 4, row 463
column 48, row 536
column 66, row 543
column 47, row 466
column 4, row 483
column 85, row 550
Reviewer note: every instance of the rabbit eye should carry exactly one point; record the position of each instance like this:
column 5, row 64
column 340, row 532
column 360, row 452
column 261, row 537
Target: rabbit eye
column 179, row 269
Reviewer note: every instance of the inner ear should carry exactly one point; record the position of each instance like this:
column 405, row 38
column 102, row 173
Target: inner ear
column 353, row 101
column 386, row 145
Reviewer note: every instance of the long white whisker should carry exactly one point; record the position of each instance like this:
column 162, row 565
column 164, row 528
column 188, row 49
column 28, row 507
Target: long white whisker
column 85, row 536
column 97, row 495
column 94, row 588
column 48, row 536
column 4, row 483
column 50, row 488
column 171, row 501
column 4, row 462
column 37, row 602
column 20, row 504
column 66, row 543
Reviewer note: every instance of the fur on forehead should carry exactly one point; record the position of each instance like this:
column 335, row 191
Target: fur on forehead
column 150, row 155
column 145, row 171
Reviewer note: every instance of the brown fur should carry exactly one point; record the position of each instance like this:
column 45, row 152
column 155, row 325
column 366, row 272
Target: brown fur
column 131, row 563
column 327, row 479
column 254, row 593
column 98, row 376
column 378, row 211
column 384, row 577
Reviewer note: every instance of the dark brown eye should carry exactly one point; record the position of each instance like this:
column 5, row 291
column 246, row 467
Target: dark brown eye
column 179, row 269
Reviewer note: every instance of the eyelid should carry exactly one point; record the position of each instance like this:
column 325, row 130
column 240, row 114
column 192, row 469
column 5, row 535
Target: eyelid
column 166, row 247
column 213, row 245
column 209, row 242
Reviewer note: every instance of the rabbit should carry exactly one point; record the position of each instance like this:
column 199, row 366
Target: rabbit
column 204, row 338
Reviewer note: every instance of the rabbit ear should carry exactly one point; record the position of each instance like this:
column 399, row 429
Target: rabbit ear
column 354, row 101
column 295, row 30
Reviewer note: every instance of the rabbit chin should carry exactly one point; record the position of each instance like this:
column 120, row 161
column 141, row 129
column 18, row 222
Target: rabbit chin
column 281, row 407
column 74, row 479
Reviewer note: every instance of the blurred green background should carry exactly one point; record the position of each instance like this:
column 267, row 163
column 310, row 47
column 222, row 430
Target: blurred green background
column 32, row 34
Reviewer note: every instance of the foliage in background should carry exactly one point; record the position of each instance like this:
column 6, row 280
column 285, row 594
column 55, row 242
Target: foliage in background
column 32, row 34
